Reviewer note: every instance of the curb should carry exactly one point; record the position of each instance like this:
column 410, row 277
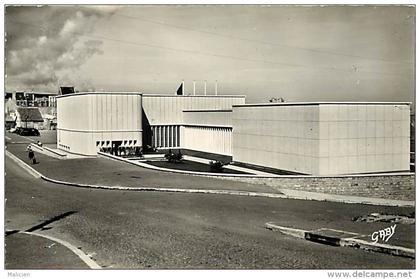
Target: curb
column 285, row 230
column 24, row 165
column 378, row 247
column 44, row 150
column 311, row 235
column 182, row 190
column 166, row 190
column 82, row 256
column 55, row 152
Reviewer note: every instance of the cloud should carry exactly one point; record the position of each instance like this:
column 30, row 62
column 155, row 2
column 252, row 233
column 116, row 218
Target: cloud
column 45, row 44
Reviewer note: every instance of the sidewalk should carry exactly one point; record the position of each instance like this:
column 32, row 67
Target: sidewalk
column 24, row 251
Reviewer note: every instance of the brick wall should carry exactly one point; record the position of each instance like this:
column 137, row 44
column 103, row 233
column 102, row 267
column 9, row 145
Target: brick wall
column 398, row 187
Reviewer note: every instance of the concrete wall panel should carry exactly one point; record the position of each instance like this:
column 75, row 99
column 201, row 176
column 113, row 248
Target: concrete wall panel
column 87, row 118
column 330, row 138
column 168, row 109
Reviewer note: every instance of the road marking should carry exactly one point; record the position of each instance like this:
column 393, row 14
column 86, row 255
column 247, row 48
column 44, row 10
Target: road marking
column 85, row 258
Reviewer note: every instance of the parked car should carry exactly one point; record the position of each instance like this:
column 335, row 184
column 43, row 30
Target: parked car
column 28, row 132
column 16, row 130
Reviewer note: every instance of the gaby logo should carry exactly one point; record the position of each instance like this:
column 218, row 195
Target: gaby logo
column 384, row 234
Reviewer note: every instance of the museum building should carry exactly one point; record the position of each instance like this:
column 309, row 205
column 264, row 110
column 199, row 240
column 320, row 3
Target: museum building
column 318, row 138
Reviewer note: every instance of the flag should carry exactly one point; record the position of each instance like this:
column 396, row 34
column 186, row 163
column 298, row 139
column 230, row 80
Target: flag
column 179, row 91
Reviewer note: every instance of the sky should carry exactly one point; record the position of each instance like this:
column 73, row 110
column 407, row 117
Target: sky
column 299, row 53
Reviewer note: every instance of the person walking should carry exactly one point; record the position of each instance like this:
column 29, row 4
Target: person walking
column 31, row 155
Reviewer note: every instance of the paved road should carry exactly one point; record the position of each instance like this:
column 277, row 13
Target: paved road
column 35, row 252
column 166, row 230
column 103, row 171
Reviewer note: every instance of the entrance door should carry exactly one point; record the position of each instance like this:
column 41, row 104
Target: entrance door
column 114, row 147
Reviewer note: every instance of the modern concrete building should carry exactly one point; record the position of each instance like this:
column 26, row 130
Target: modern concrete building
column 163, row 116
column 89, row 122
column 323, row 138
column 326, row 138
column 111, row 120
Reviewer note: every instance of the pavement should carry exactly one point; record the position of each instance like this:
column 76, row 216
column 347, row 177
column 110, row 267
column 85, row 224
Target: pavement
column 105, row 172
column 29, row 251
column 150, row 230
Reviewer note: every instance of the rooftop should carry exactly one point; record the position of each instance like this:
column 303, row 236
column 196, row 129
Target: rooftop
column 99, row 93
column 29, row 114
column 209, row 96
column 38, row 93
column 320, row 103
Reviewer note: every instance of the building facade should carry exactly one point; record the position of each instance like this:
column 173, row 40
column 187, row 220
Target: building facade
column 208, row 131
column 163, row 116
column 90, row 122
column 323, row 138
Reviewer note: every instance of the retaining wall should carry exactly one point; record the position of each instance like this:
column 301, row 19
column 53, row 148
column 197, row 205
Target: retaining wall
column 398, row 187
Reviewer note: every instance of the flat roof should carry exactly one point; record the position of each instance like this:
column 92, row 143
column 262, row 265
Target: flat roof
column 36, row 93
column 320, row 103
column 210, row 96
column 207, row 110
column 99, row 93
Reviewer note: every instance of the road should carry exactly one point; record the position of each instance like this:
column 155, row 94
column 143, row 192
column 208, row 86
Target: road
column 122, row 229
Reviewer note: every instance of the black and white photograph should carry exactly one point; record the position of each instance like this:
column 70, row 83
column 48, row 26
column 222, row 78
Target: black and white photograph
column 210, row 137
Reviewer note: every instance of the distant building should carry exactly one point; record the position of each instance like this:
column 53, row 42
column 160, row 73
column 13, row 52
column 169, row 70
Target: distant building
column 34, row 99
column 27, row 117
column 44, row 101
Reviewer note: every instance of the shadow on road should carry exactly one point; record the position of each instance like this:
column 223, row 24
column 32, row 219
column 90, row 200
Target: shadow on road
column 51, row 220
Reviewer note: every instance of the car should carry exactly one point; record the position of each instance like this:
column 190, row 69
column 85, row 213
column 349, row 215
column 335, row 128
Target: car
column 28, row 132
column 17, row 130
